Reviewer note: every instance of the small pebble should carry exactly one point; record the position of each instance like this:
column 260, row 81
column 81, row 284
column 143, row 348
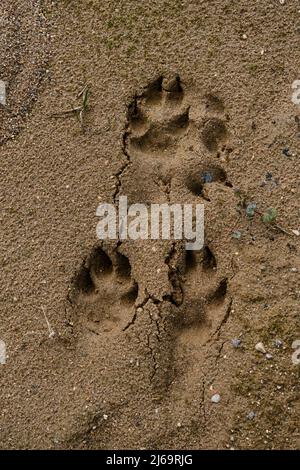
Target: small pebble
column 269, row 356
column 286, row 152
column 250, row 209
column 207, row 177
column 235, row 342
column 216, row 398
column 105, row 417
column 269, row 176
column 260, row 347
column 251, row 415
column 278, row 343
column 296, row 232
column 294, row 270
column 237, row 235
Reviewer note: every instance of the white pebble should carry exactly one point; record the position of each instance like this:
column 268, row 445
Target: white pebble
column 260, row 348
column 216, row 398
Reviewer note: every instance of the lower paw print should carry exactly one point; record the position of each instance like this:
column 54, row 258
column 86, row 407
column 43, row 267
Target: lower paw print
column 198, row 309
column 205, row 300
column 189, row 320
column 105, row 293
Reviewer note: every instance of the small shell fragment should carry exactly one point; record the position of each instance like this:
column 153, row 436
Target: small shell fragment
column 260, row 348
column 2, row 93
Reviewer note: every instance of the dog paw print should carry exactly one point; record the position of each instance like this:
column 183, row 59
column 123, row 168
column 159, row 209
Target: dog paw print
column 205, row 300
column 105, row 292
column 157, row 119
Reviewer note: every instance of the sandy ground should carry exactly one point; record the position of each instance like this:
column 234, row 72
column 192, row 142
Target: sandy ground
column 123, row 345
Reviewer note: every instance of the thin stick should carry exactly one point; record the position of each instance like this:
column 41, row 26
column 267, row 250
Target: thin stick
column 65, row 113
column 79, row 111
column 82, row 91
column 50, row 329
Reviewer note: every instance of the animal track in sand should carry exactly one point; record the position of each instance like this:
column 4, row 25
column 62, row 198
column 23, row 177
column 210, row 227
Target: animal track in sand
column 205, row 302
column 168, row 147
column 156, row 119
column 105, row 292
column 170, row 156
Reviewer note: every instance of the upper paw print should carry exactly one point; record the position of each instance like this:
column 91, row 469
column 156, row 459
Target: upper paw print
column 157, row 118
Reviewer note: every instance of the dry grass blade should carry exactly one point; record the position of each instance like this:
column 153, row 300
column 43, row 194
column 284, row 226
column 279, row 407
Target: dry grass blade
column 78, row 110
column 82, row 91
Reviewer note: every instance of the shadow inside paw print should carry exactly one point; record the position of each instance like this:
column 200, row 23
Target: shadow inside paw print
column 214, row 129
column 198, row 179
column 105, row 292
